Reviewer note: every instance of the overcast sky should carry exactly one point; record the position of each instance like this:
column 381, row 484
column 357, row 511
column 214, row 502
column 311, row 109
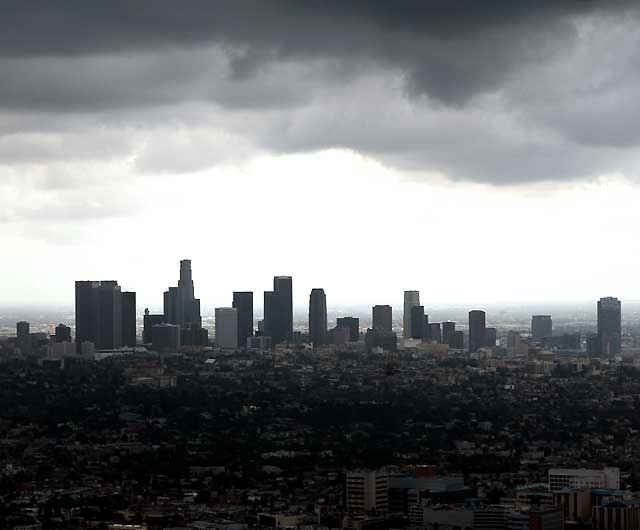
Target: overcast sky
column 477, row 151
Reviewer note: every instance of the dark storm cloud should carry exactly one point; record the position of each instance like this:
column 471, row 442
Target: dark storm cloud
column 494, row 91
column 450, row 49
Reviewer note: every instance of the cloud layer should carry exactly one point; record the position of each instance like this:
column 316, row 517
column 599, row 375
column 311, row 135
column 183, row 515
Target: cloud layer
column 499, row 92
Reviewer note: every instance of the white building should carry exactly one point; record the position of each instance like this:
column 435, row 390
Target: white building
column 607, row 478
column 368, row 491
column 411, row 299
column 226, row 327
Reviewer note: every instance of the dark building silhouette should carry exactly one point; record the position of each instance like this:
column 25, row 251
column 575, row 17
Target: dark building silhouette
column 166, row 337
column 181, row 307
column 63, row 333
column 477, row 326
column 609, row 326
column 317, row 317
column 387, row 340
column 352, row 324
column 448, row 331
column 490, row 337
column 23, row 337
column 278, row 311
column 417, row 322
column 435, row 333
column 149, row 320
column 129, row 331
column 99, row 314
column 541, row 327
column 593, row 344
column 382, row 318
column 457, row 340
column 427, row 329
column 243, row 302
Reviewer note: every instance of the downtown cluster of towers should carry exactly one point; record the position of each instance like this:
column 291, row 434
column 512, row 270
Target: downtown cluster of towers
column 105, row 319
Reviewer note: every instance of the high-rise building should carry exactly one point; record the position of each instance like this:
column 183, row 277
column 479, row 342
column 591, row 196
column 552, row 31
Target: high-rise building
column 226, row 327
column 278, row 310
column 148, row 322
column 457, row 342
column 352, row 324
column 435, row 333
column 99, row 314
column 129, row 328
column 448, row 330
column 477, row 325
column 243, row 302
column 541, row 327
column 411, row 299
column 23, row 337
column 609, row 326
column 166, row 337
column 181, row 307
column 317, row 317
column 417, row 322
column 382, row 318
column 490, row 337
column 63, row 333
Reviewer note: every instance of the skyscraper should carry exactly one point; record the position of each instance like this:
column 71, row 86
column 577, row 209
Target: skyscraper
column 23, row 337
column 490, row 337
column 182, row 308
column 352, row 324
column 435, row 332
column 609, row 326
column 63, row 333
column 477, row 326
column 278, row 310
column 417, row 322
column 129, row 331
column 448, row 333
column 99, row 314
column 243, row 302
column 382, row 318
column 148, row 322
column 317, row 317
column 226, row 327
column 180, row 305
column 411, row 299
column 541, row 327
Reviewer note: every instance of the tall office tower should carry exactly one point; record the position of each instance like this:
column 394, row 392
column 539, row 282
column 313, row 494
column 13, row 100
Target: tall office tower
column 148, row 322
column 368, row 491
column 609, row 326
column 99, row 314
column 352, row 324
column 180, row 305
column 448, row 330
column 435, row 333
column 382, row 318
column 427, row 329
column 226, row 327
column 23, row 337
column 63, row 333
column 317, row 317
column 129, row 326
column 457, row 340
column 243, row 302
column 417, row 322
column 490, row 337
column 278, row 310
column 411, row 299
column 477, row 325
column 541, row 327
column 166, row 337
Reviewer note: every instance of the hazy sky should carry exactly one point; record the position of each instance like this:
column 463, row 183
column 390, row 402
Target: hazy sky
column 477, row 151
